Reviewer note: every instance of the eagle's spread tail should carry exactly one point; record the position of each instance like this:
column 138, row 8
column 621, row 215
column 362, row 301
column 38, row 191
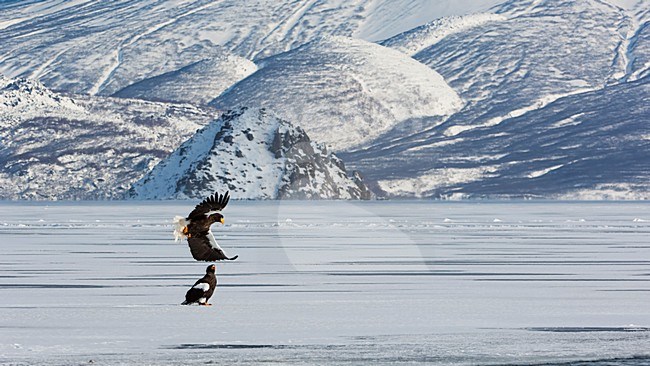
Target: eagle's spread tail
column 180, row 227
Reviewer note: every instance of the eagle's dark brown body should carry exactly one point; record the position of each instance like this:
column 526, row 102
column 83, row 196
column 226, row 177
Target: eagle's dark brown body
column 202, row 289
column 202, row 244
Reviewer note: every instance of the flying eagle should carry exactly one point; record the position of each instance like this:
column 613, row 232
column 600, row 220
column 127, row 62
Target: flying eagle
column 196, row 228
column 203, row 289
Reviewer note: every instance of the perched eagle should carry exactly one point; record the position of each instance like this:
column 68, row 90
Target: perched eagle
column 196, row 228
column 203, row 289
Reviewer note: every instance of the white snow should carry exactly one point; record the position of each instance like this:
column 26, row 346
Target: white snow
column 570, row 121
column 612, row 191
column 432, row 179
column 388, row 18
column 344, row 91
column 494, row 121
column 8, row 23
column 40, row 8
column 257, row 174
column 375, row 282
column 90, row 147
column 509, row 61
column 539, row 173
column 110, row 45
column 197, row 83
column 19, row 97
column 418, row 39
column 238, row 152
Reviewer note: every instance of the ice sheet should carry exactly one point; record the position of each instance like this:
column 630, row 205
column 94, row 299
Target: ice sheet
column 328, row 282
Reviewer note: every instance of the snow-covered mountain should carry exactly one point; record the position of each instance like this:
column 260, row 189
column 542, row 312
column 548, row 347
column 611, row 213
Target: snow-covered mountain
column 197, row 83
column 254, row 155
column 101, row 47
column 508, row 68
column 428, row 99
column 77, row 147
column 594, row 145
column 344, row 91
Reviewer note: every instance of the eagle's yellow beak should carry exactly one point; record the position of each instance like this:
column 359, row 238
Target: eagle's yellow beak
column 222, row 220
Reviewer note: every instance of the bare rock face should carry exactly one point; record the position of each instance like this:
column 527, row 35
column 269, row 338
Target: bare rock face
column 255, row 155
column 310, row 171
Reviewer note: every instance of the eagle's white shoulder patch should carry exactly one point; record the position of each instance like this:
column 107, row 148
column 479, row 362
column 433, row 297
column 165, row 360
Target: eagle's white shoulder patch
column 202, row 286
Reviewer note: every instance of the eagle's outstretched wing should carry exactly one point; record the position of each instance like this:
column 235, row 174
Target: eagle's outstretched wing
column 215, row 202
column 205, row 248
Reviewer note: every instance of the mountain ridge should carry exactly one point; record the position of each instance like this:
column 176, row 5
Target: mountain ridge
column 424, row 107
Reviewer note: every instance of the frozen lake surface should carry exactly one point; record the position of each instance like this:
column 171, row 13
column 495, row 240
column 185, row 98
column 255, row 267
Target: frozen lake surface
column 329, row 283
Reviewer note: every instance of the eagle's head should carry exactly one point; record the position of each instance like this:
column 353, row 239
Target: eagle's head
column 211, row 269
column 216, row 217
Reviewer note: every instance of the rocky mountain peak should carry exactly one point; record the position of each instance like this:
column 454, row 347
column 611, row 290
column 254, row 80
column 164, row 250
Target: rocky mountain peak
column 255, row 155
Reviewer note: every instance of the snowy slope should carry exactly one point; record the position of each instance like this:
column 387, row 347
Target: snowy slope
column 344, row 91
column 20, row 97
column 254, row 155
column 396, row 115
column 197, row 83
column 580, row 146
column 533, row 54
column 101, row 47
column 422, row 37
column 637, row 45
column 513, row 67
column 74, row 147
